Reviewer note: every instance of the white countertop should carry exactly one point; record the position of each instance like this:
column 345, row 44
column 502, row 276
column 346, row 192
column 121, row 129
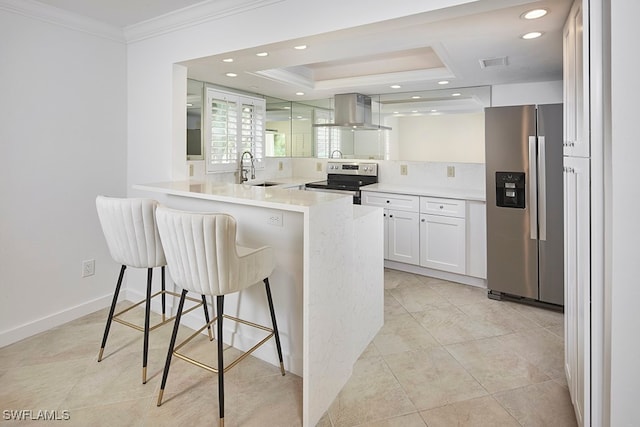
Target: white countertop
column 273, row 197
column 446, row 193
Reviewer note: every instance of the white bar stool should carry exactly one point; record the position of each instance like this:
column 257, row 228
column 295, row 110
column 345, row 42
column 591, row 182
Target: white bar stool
column 203, row 257
column 129, row 227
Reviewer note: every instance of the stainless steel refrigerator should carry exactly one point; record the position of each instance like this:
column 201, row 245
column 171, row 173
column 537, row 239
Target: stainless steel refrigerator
column 525, row 257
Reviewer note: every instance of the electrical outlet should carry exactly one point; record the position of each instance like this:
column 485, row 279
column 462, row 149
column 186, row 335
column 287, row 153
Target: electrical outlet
column 275, row 218
column 403, row 170
column 451, row 171
column 280, row 167
column 88, row 268
column 319, row 167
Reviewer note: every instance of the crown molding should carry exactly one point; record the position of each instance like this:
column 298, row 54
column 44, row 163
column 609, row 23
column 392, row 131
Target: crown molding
column 53, row 15
column 205, row 11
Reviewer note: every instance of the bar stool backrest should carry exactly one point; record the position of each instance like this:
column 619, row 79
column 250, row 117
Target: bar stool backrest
column 202, row 254
column 129, row 227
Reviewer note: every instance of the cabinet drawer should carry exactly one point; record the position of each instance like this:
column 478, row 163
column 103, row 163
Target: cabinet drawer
column 391, row 201
column 445, row 207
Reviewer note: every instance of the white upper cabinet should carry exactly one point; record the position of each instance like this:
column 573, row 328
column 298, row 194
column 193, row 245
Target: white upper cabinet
column 576, row 93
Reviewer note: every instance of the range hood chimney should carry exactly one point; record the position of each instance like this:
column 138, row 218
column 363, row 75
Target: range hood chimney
column 353, row 111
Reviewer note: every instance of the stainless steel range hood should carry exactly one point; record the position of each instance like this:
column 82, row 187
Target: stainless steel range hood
column 353, row 111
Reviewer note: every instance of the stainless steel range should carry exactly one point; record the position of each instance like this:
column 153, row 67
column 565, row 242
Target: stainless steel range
column 347, row 178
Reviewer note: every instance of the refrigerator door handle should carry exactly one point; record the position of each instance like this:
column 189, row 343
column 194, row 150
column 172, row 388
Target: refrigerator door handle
column 533, row 183
column 542, row 188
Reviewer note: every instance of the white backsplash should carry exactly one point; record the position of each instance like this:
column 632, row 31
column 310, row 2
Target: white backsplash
column 419, row 174
column 469, row 176
column 274, row 168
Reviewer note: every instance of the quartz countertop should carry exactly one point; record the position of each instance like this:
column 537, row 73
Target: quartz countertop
column 446, row 193
column 280, row 196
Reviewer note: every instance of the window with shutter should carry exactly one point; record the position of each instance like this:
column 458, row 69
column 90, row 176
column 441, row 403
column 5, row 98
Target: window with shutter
column 235, row 125
column 327, row 139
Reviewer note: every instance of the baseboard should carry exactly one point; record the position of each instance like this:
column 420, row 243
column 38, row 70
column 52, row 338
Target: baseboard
column 444, row 275
column 49, row 322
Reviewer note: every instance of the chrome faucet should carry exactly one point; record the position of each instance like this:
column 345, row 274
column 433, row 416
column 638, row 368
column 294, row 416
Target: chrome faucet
column 336, row 151
column 243, row 171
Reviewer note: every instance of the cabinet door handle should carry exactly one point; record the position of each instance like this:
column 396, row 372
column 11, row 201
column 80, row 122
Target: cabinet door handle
column 441, row 207
column 423, row 220
column 390, row 216
column 387, row 201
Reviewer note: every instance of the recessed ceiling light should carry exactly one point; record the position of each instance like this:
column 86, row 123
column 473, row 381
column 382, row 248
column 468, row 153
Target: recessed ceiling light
column 433, row 111
column 532, row 35
column 396, row 112
column 415, row 97
column 395, row 86
column 287, row 108
column 262, row 54
column 189, row 105
column 227, row 60
column 299, row 93
column 443, row 82
column 534, row 14
column 414, row 111
column 298, row 117
column 455, row 94
column 231, row 75
column 300, row 47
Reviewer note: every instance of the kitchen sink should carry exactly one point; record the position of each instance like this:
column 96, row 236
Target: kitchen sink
column 265, row 184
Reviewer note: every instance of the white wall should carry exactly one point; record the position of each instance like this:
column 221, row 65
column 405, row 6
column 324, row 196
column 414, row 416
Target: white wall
column 62, row 142
column 444, row 138
column 624, row 284
column 526, row 93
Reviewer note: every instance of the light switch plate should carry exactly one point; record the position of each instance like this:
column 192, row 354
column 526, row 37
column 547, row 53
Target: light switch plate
column 319, row 167
column 403, row 170
column 451, row 171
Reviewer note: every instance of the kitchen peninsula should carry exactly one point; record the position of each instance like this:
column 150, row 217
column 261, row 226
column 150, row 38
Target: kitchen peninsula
column 328, row 286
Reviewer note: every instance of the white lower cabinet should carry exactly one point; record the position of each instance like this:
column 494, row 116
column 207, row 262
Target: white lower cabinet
column 429, row 232
column 577, row 315
column 443, row 243
column 476, row 239
column 401, row 229
column 403, row 240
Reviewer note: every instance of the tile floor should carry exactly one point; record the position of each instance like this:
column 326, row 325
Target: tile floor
column 446, row 356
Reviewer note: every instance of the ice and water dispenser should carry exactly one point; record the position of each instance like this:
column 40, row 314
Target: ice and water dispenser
column 510, row 190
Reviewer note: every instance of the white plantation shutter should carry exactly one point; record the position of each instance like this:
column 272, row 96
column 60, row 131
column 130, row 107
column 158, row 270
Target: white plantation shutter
column 327, row 138
column 235, row 124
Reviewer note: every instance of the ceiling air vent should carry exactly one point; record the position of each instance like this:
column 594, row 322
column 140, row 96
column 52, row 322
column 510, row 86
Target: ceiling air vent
column 494, row 62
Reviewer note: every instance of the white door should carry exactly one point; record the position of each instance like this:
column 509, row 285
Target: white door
column 403, row 237
column 577, row 285
column 443, row 243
